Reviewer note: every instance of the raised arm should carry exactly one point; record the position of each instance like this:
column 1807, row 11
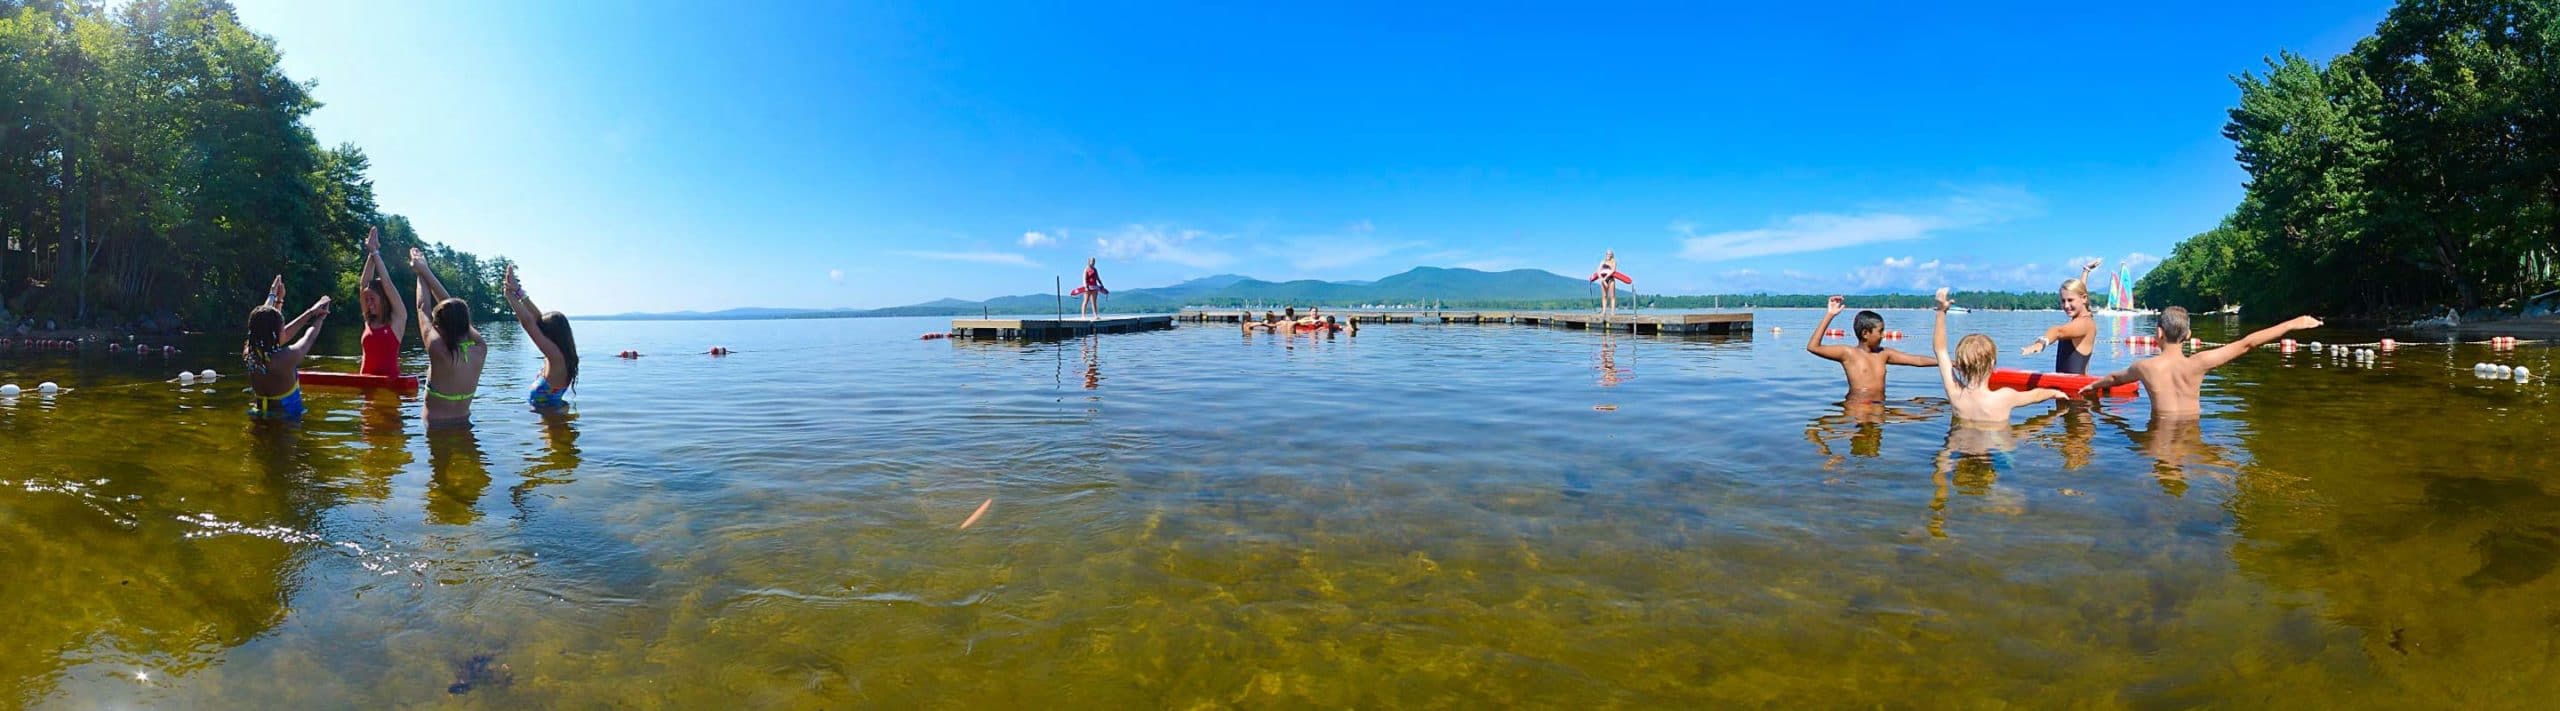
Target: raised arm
column 373, row 260
column 430, row 293
column 1813, row 344
column 2215, row 358
column 1938, row 345
column 2087, row 269
column 314, row 317
column 528, row 315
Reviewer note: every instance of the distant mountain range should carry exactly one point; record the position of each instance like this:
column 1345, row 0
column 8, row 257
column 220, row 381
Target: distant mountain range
column 1453, row 288
column 1421, row 285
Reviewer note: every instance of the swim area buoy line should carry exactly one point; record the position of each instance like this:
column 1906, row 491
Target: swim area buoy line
column 2025, row 380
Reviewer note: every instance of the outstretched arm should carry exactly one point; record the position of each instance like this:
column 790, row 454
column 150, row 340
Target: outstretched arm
column 1813, row 344
column 1894, row 357
column 2073, row 329
column 2215, row 358
column 2102, row 385
column 2032, row 396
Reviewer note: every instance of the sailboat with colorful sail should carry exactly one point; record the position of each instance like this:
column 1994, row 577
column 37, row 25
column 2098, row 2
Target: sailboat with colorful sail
column 2120, row 300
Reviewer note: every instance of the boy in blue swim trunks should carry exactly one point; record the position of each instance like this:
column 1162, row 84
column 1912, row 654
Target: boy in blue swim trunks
column 272, row 364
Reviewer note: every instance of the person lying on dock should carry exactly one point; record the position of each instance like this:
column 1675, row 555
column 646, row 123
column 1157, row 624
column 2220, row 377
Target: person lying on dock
column 1866, row 361
column 1975, row 403
column 2173, row 377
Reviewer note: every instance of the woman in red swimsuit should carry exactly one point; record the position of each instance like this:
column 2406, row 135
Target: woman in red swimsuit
column 385, row 315
column 1092, row 290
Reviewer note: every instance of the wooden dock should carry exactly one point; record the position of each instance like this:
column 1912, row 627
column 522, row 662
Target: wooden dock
column 1033, row 329
column 1739, row 322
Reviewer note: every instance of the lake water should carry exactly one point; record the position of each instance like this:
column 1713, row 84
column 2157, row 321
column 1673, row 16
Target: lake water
column 1454, row 515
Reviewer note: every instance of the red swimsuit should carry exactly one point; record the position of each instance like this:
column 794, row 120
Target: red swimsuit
column 381, row 352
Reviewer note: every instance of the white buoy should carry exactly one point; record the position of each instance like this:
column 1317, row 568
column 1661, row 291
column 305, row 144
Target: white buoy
column 9, row 390
column 2506, row 372
column 186, row 378
column 2522, row 374
column 208, row 375
column 2315, row 345
column 47, row 388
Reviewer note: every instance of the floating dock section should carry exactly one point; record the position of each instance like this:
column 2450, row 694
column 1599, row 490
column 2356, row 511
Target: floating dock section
column 1033, row 329
column 1738, row 322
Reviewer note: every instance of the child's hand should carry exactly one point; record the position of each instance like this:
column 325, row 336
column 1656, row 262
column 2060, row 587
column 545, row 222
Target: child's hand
column 276, row 290
column 322, row 308
column 1943, row 303
column 2032, row 348
column 2088, row 391
column 2302, row 322
column 2093, row 264
column 1835, row 306
column 417, row 258
column 373, row 239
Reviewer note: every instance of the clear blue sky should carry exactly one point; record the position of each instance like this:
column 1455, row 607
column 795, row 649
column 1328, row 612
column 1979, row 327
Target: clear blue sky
column 654, row 156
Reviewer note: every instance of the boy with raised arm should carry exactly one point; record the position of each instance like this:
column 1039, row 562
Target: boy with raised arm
column 1974, row 401
column 1864, row 362
column 2174, row 378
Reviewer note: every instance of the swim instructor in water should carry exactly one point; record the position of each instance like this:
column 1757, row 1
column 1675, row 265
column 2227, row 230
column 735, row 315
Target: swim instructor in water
column 2077, row 337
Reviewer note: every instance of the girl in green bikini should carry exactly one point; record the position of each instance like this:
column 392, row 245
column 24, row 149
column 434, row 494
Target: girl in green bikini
column 454, row 351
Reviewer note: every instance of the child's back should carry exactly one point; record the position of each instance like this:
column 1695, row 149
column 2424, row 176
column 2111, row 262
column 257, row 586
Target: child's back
column 1972, row 398
column 2174, row 378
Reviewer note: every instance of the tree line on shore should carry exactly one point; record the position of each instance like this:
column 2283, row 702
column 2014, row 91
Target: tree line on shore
column 155, row 169
column 2416, row 171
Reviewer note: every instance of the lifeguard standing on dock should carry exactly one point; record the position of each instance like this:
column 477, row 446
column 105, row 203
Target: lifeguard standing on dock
column 1609, row 278
column 1092, row 290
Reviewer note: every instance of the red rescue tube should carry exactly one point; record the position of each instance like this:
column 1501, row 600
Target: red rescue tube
column 403, row 384
column 2024, row 380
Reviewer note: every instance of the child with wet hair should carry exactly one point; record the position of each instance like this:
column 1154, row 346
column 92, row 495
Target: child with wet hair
column 1865, row 362
column 1967, row 376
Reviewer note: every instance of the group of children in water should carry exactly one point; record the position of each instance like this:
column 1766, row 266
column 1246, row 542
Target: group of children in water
column 2172, row 377
column 455, row 353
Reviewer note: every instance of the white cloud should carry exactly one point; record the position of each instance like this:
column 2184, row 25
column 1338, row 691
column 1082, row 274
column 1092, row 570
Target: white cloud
column 2138, row 261
column 1036, row 239
column 1912, row 275
column 1822, row 231
column 1003, row 258
column 1162, row 244
column 835, row 275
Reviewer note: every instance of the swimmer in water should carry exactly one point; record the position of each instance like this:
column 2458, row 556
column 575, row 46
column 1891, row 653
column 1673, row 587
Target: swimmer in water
column 1967, row 377
column 384, row 314
column 455, row 354
column 274, row 384
column 2078, row 337
column 2173, row 378
column 1866, row 361
column 549, row 333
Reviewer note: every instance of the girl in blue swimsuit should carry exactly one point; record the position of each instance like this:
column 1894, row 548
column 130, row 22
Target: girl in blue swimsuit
column 550, row 333
column 271, row 362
